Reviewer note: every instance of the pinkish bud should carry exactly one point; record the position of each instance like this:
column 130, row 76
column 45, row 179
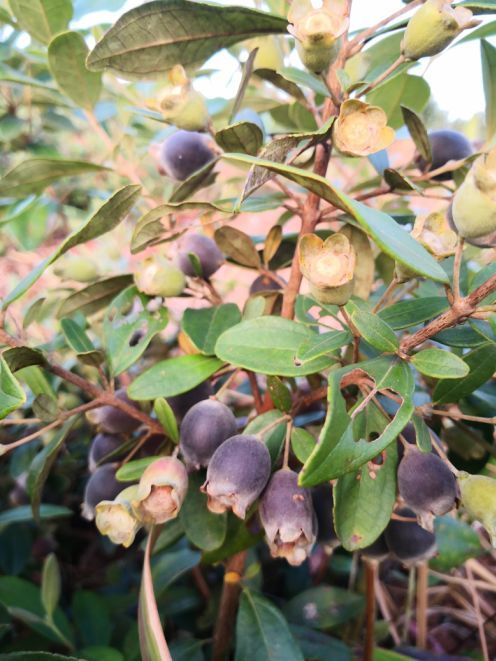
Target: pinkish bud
column 161, row 491
column 115, row 518
column 288, row 518
column 237, row 474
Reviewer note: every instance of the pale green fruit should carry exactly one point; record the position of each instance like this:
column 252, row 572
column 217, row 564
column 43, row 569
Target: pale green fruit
column 478, row 497
column 269, row 54
column 158, row 276
column 77, row 268
column 317, row 58
column 433, row 27
column 190, row 113
column 333, row 295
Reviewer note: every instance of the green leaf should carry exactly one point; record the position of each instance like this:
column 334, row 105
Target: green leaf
column 482, row 365
column 12, row 396
column 238, row 246
column 133, row 470
column 238, row 538
column 403, row 89
column 418, row 132
column 318, row 646
column 50, row 584
column 364, row 501
column 272, row 437
column 480, row 6
column 204, row 326
column 169, row 566
column 262, row 633
column 147, row 41
column 37, row 656
column 268, row 345
column 337, row 451
column 76, row 336
column 324, row 607
column 153, row 645
column 456, row 542
column 108, row 216
column 25, row 513
column 422, row 434
column 34, row 175
column 95, row 297
column 129, row 327
column 440, row 364
column 42, row 464
column 278, row 80
column 166, row 417
column 91, row 614
column 322, row 345
column 388, row 235
column 204, row 529
column 200, row 179
column 305, row 79
column 18, row 358
column 488, row 55
column 302, row 443
column 413, row 312
column 66, row 57
column 243, row 137
column 279, row 393
column 485, row 30
column 42, row 19
column 374, row 330
column 173, row 377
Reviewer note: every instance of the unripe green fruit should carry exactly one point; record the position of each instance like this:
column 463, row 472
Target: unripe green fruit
column 112, row 420
column 478, row 497
column 333, row 295
column 204, row 428
column 427, row 485
column 185, row 152
column 102, row 485
column 158, row 276
column 207, row 253
column 80, row 269
column 407, row 540
column 237, row 474
column 473, row 213
column 189, row 113
column 317, row 58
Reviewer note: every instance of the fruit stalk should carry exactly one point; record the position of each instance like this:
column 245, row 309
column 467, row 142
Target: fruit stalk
column 231, row 589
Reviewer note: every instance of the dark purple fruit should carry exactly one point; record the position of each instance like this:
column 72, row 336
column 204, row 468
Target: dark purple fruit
column 264, row 284
column 112, row 420
column 446, row 145
column 181, row 404
column 102, row 446
column 204, row 427
column 407, row 541
column 102, row 485
column 288, row 518
column 207, row 252
column 426, row 484
column 378, row 550
column 184, row 153
column 323, row 505
column 237, row 474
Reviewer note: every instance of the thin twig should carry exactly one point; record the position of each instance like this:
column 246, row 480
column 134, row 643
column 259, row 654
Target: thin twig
column 480, row 619
column 456, row 269
column 422, row 604
column 401, row 59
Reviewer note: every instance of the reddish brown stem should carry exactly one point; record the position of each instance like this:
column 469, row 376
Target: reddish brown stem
column 226, row 618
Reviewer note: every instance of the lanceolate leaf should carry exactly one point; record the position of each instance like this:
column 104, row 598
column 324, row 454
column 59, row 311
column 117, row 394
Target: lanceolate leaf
column 66, row 56
column 42, row 18
column 93, row 298
column 12, row 396
column 203, row 528
column 147, row 41
column 488, row 55
column 243, row 137
column 418, row 132
column 34, row 175
column 204, row 326
column 153, row 645
column 440, row 364
column 337, row 451
column 482, row 364
column 108, row 216
column 387, row 234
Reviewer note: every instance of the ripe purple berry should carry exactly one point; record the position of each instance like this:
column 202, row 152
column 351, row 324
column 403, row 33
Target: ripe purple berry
column 181, row 404
column 446, row 145
column 204, row 427
column 112, row 420
column 407, row 540
column 207, row 252
column 237, row 474
column 427, row 485
column 103, row 446
column 288, row 518
column 102, row 485
column 185, row 152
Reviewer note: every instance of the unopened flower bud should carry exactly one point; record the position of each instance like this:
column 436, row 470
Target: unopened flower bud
column 237, row 474
column 161, row 491
column 180, row 104
column 328, row 266
column 115, row 518
column 158, row 276
column 473, row 211
column 361, row 129
column 288, row 518
column 433, row 27
column 478, row 497
column 317, row 33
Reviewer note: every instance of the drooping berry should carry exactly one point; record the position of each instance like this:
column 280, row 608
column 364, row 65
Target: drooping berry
column 446, row 145
column 184, row 153
column 204, row 427
column 408, row 541
column 112, row 420
column 102, row 485
column 206, row 251
column 182, row 403
column 104, row 448
column 237, row 474
column 288, row 518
